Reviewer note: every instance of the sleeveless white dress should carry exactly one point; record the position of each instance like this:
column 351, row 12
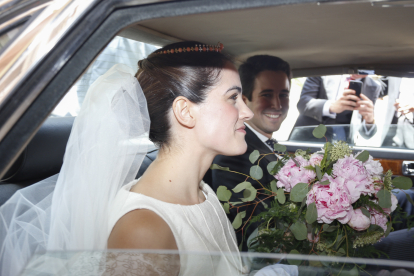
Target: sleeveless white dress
column 201, row 228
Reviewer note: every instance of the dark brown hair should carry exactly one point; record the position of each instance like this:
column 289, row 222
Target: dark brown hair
column 256, row 64
column 164, row 77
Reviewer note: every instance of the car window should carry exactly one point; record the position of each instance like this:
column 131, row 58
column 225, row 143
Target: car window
column 393, row 105
column 119, row 50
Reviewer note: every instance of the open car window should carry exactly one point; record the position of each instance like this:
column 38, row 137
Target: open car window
column 119, row 50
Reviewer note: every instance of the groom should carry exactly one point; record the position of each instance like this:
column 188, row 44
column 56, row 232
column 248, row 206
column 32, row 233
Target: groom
column 266, row 85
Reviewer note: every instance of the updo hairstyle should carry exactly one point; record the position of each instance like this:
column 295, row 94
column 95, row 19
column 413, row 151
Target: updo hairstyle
column 164, row 77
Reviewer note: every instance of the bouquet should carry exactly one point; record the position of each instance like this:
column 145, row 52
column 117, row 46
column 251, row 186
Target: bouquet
column 335, row 202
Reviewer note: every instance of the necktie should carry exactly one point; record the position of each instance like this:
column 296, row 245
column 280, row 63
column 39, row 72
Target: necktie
column 271, row 142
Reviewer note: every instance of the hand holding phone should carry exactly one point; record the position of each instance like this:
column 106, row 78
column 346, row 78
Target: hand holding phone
column 357, row 86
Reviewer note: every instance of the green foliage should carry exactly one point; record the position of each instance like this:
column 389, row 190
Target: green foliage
column 311, row 213
column 363, row 156
column 273, row 186
column 237, row 222
column 217, row 167
column 274, row 167
column 319, row 131
column 365, row 212
column 294, row 261
column 223, row 193
column 226, row 207
column 318, row 172
column 240, row 187
column 256, row 172
column 249, row 194
column 279, row 148
column 299, row 230
column 254, row 156
column 402, row 182
column 281, row 197
column 384, row 198
column 298, row 193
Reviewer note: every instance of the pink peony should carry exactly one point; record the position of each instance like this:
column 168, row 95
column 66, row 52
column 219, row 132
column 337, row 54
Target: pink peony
column 359, row 221
column 332, row 201
column 379, row 219
column 353, row 170
column 290, row 174
column 373, row 167
column 315, row 159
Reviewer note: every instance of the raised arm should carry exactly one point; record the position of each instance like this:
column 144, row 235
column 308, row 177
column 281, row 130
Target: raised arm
column 309, row 103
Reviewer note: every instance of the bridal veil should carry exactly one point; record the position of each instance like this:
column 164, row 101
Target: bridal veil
column 69, row 211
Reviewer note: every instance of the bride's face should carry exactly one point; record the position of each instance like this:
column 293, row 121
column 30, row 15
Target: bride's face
column 220, row 121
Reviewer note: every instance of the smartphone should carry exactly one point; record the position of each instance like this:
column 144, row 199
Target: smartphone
column 357, row 86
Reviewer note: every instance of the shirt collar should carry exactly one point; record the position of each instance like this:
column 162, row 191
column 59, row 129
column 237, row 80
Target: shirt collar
column 259, row 135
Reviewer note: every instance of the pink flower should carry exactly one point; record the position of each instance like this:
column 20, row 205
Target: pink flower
column 355, row 173
column 315, row 159
column 394, row 202
column 379, row 219
column 332, row 201
column 373, row 167
column 359, row 221
column 290, row 174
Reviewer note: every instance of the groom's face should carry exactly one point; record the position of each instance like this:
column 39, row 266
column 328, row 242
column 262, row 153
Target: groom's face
column 270, row 101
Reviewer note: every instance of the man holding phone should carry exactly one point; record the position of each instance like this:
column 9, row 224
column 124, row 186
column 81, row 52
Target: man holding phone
column 331, row 100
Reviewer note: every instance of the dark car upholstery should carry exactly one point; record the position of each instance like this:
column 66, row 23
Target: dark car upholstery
column 43, row 157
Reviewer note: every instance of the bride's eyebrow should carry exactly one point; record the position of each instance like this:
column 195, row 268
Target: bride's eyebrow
column 235, row 87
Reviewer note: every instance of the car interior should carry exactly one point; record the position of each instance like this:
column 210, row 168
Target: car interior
column 316, row 38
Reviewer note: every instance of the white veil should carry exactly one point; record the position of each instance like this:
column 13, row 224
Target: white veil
column 107, row 144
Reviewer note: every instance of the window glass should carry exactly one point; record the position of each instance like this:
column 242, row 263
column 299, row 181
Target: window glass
column 119, row 50
column 392, row 100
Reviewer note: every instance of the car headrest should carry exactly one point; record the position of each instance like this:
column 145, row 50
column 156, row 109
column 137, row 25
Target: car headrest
column 43, row 156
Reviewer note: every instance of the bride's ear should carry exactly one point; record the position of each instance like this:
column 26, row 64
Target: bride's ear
column 182, row 109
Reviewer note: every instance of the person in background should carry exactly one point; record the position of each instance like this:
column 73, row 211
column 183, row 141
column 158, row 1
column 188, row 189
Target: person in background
column 266, row 86
column 328, row 100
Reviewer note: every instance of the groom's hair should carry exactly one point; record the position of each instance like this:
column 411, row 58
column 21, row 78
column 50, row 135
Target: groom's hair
column 165, row 76
column 256, row 64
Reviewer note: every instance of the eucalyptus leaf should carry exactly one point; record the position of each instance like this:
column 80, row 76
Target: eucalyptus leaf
column 389, row 227
column 374, row 227
column 279, row 148
column 326, row 182
column 264, row 204
column 217, row 167
column 363, row 156
column 241, row 186
column 299, row 230
column 271, row 166
column 281, row 197
column 340, row 252
column 311, row 213
column 254, row 156
column 296, row 162
column 329, row 228
column 318, row 172
column 236, row 203
column 237, row 222
column 294, row 261
column 353, row 272
column 223, row 194
column 298, row 193
column 273, row 186
column 256, row 172
column 365, row 212
column 384, row 198
column 319, row 131
column 402, row 182
column 226, row 207
column 249, row 194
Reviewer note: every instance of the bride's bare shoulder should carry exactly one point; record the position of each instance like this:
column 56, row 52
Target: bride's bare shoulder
column 141, row 229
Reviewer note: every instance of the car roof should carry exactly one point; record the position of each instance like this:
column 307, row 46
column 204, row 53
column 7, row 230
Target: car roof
column 316, row 38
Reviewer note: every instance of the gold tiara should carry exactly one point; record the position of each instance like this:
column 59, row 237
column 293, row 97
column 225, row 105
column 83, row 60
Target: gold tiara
column 197, row 48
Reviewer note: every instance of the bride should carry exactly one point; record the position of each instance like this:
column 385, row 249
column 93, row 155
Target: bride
column 196, row 112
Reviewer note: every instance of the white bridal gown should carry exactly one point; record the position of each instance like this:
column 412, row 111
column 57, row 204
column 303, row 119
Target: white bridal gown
column 200, row 228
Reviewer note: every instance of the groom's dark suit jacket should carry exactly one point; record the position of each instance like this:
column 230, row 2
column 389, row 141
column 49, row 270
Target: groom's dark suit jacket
column 230, row 180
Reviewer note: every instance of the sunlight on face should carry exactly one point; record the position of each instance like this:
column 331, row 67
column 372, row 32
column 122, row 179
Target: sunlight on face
column 220, row 124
